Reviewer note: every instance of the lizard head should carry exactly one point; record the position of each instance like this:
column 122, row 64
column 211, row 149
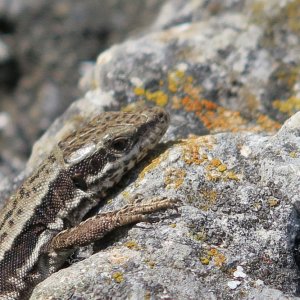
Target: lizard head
column 104, row 149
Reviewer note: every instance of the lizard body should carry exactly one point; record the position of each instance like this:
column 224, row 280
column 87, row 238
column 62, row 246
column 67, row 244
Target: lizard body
column 41, row 224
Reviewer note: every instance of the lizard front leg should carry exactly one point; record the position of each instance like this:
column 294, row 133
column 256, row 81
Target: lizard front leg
column 98, row 226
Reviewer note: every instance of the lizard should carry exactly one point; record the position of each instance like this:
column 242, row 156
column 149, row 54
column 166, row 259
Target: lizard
column 43, row 221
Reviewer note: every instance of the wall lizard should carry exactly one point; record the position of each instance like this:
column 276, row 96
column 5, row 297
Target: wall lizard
column 41, row 224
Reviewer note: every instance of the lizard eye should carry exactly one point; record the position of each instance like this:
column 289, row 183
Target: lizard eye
column 79, row 182
column 120, row 144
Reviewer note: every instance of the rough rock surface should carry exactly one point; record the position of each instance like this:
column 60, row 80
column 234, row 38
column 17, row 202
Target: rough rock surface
column 229, row 71
column 232, row 238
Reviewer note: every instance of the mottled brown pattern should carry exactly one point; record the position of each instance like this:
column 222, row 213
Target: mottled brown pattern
column 61, row 191
column 98, row 127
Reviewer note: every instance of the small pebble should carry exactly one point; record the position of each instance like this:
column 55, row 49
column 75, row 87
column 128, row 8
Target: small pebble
column 239, row 272
column 233, row 284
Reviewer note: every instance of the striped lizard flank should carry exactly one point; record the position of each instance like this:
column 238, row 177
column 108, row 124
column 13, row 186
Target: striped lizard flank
column 41, row 224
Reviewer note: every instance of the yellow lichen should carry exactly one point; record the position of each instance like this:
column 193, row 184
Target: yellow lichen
column 232, row 176
column 217, row 170
column 174, row 178
column 186, row 94
column 199, row 236
column 175, row 80
column 257, row 206
column 153, row 164
column 222, row 168
column 213, row 177
column 132, row 245
column 118, row 277
column 293, row 15
column 159, row 97
column 293, row 154
column 289, row 106
column 134, row 106
column 212, row 252
column 139, row 91
column 287, row 75
column 151, row 264
column 273, row 202
column 217, row 165
column 126, row 195
column 209, row 198
column 147, row 295
column 204, row 260
column 257, row 8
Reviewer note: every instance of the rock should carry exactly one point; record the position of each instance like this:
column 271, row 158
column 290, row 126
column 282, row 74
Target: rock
column 237, row 221
column 228, row 73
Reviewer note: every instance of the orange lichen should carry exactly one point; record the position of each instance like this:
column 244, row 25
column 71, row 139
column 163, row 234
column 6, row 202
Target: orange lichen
column 174, row 178
column 213, row 116
column 215, row 162
column 217, row 170
column 186, row 94
column 267, row 124
column 218, row 258
column 176, row 102
column 192, row 152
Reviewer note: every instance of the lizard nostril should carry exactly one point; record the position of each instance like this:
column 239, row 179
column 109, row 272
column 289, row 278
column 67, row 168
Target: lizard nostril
column 161, row 116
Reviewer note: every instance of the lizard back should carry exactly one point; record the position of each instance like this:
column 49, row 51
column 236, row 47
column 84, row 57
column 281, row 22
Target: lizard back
column 68, row 183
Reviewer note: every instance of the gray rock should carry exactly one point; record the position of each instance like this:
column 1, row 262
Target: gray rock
column 231, row 239
column 229, row 71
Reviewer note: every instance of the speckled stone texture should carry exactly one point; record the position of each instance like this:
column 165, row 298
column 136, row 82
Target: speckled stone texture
column 233, row 237
column 228, row 73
